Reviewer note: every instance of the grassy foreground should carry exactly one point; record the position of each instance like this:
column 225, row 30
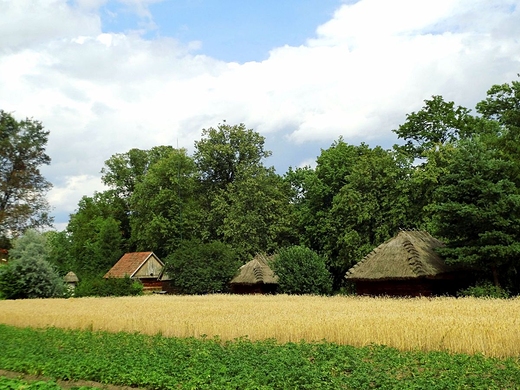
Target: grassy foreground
column 158, row 362
column 469, row 325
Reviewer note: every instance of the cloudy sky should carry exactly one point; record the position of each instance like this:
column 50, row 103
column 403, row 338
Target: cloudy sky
column 105, row 76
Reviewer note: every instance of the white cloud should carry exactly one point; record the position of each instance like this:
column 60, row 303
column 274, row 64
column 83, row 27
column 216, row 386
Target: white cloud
column 371, row 64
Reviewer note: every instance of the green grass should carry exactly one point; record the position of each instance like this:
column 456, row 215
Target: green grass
column 157, row 362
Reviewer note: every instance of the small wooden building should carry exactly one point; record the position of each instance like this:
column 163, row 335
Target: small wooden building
column 406, row 265
column 143, row 266
column 255, row 277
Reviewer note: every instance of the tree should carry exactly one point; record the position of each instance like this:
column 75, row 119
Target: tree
column 225, row 152
column 437, row 123
column 22, row 186
column 28, row 274
column 503, row 105
column 301, row 271
column 165, row 205
column 476, row 210
column 356, row 198
column 123, row 171
column 96, row 239
column 202, row 268
column 253, row 214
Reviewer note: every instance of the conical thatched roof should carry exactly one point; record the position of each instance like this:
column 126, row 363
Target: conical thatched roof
column 71, row 278
column 409, row 255
column 256, row 271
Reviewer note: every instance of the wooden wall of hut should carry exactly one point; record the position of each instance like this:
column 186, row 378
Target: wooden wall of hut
column 410, row 288
column 257, row 288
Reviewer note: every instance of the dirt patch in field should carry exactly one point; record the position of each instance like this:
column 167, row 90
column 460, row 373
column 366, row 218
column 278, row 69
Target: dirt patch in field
column 62, row 383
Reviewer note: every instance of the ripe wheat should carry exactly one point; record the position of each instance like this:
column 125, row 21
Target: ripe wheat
column 466, row 325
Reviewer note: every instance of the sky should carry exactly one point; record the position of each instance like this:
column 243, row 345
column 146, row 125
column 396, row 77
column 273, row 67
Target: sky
column 106, row 76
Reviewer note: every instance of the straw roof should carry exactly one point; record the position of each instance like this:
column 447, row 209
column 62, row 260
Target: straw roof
column 256, row 271
column 70, row 277
column 409, row 255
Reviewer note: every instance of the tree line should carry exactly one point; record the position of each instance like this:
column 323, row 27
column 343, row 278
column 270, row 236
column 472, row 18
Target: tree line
column 455, row 174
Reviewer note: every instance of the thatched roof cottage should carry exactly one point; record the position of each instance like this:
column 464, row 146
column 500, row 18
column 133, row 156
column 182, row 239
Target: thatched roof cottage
column 143, row 266
column 255, row 277
column 406, row 265
column 71, row 279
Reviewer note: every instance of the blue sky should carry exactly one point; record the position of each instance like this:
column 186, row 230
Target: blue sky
column 105, row 76
column 232, row 31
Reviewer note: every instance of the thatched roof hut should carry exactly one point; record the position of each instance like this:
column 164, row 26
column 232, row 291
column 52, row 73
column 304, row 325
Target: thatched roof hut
column 406, row 265
column 255, row 277
column 71, row 278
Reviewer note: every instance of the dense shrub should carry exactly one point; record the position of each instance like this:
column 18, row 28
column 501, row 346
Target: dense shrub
column 302, row 271
column 202, row 268
column 30, row 278
column 28, row 274
column 100, row 287
column 484, row 290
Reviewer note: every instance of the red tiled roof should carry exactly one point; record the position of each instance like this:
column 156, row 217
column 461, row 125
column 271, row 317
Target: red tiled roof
column 128, row 264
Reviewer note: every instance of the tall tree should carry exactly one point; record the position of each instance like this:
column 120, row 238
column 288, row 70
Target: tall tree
column 242, row 196
column 437, row 123
column 253, row 214
column 476, row 210
column 223, row 153
column 96, row 236
column 22, row 187
column 165, row 205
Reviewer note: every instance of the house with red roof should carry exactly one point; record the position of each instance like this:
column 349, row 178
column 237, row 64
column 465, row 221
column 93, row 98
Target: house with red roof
column 143, row 266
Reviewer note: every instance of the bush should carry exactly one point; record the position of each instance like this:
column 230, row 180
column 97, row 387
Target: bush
column 302, row 271
column 116, row 287
column 202, row 268
column 484, row 290
column 30, row 278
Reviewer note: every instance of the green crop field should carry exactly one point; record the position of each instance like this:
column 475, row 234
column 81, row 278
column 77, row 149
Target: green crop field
column 158, row 362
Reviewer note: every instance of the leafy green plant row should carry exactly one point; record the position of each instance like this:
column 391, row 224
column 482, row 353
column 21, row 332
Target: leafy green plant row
column 20, row 384
column 158, row 362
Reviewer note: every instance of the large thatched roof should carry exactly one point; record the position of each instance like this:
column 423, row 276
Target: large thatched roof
column 409, row 255
column 256, row 271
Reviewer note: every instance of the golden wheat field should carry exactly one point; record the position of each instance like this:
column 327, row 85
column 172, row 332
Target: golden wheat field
column 467, row 325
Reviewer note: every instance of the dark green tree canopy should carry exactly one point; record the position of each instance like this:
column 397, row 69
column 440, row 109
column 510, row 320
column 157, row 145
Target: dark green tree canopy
column 22, row 187
column 476, row 210
column 225, row 152
column 202, row 268
column 437, row 123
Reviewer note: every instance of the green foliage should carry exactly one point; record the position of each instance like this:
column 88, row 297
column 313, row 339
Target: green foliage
column 476, row 209
column 253, row 214
column 22, row 187
column 301, row 271
column 224, row 153
column 201, row 268
column 126, row 360
column 19, row 384
column 165, row 204
column 111, row 287
column 437, row 123
column 484, row 290
column 96, row 238
column 28, row 274
column 30, row 278
column 356, row 198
